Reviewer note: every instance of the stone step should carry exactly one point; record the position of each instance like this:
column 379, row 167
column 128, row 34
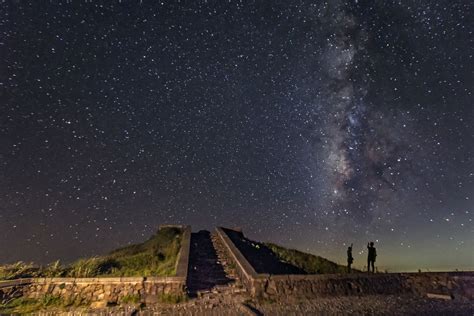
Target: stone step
column 213, row 281
column 206, row 268
column 219, row 293
column 223, row 287
column 229, row 292
column 226, row 262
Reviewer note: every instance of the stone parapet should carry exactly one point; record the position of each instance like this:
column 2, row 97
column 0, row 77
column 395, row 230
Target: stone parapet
column 17, row 282
column 252, row 280
column 182, row 261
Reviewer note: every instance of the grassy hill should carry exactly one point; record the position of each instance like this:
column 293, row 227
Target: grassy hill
column 155, row 257
column 311, row 264
column 274, row 259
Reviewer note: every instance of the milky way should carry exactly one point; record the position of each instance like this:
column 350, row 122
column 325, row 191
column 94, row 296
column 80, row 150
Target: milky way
column 365, row 148
column 313, row 125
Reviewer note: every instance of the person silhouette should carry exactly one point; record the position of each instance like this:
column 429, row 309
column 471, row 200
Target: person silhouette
column 350, row 259
column 372, row 254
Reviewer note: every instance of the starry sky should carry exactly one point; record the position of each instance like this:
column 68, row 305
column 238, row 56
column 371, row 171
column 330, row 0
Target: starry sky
column 312, row 124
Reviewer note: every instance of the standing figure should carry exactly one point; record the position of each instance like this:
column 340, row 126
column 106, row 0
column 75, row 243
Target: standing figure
column 350, row 259
column 371, row 257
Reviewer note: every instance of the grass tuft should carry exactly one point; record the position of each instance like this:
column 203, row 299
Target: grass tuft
column 23, row 305
column 130, row 299
column 17, row 270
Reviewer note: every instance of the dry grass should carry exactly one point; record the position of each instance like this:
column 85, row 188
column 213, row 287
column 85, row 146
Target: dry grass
column 155, row 257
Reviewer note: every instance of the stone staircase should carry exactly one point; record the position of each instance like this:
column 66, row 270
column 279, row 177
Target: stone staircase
column 235, row 286
column 212, row 278
column 210, row 271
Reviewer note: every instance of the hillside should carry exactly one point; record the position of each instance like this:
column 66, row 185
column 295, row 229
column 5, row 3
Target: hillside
column 274, row 259
column 154, row 257
column 311, row 264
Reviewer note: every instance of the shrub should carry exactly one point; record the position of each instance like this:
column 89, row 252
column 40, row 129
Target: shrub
column 24, row 305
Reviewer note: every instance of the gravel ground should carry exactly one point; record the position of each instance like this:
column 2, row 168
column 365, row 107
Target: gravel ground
column 366, row 305
column 239, row 305
column 370, row 305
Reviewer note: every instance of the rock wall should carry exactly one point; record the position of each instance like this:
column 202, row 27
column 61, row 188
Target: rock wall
column 109, row 291
column 317, row 286
column 99, row 291
column 459, row 286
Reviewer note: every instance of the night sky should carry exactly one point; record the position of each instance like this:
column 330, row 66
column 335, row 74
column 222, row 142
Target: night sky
column 307, row 123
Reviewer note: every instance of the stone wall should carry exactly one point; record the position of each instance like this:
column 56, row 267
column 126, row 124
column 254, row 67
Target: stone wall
column 182, row 262
column 104, row 291
column 331, row 285
column 97, row 292
column 247, row 274
column 457, row 285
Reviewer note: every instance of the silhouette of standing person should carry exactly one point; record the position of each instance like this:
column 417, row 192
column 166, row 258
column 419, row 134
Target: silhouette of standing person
column 350, row 259
column 371, row 257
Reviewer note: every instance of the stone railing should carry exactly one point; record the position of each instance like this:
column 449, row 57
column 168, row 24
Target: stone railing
column 98, row 292
column 182, row 261
column 252, row 280
column 455, row 285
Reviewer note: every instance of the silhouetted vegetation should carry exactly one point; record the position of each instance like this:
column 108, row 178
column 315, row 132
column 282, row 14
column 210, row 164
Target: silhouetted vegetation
column 155, row 257
column 311, row 264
